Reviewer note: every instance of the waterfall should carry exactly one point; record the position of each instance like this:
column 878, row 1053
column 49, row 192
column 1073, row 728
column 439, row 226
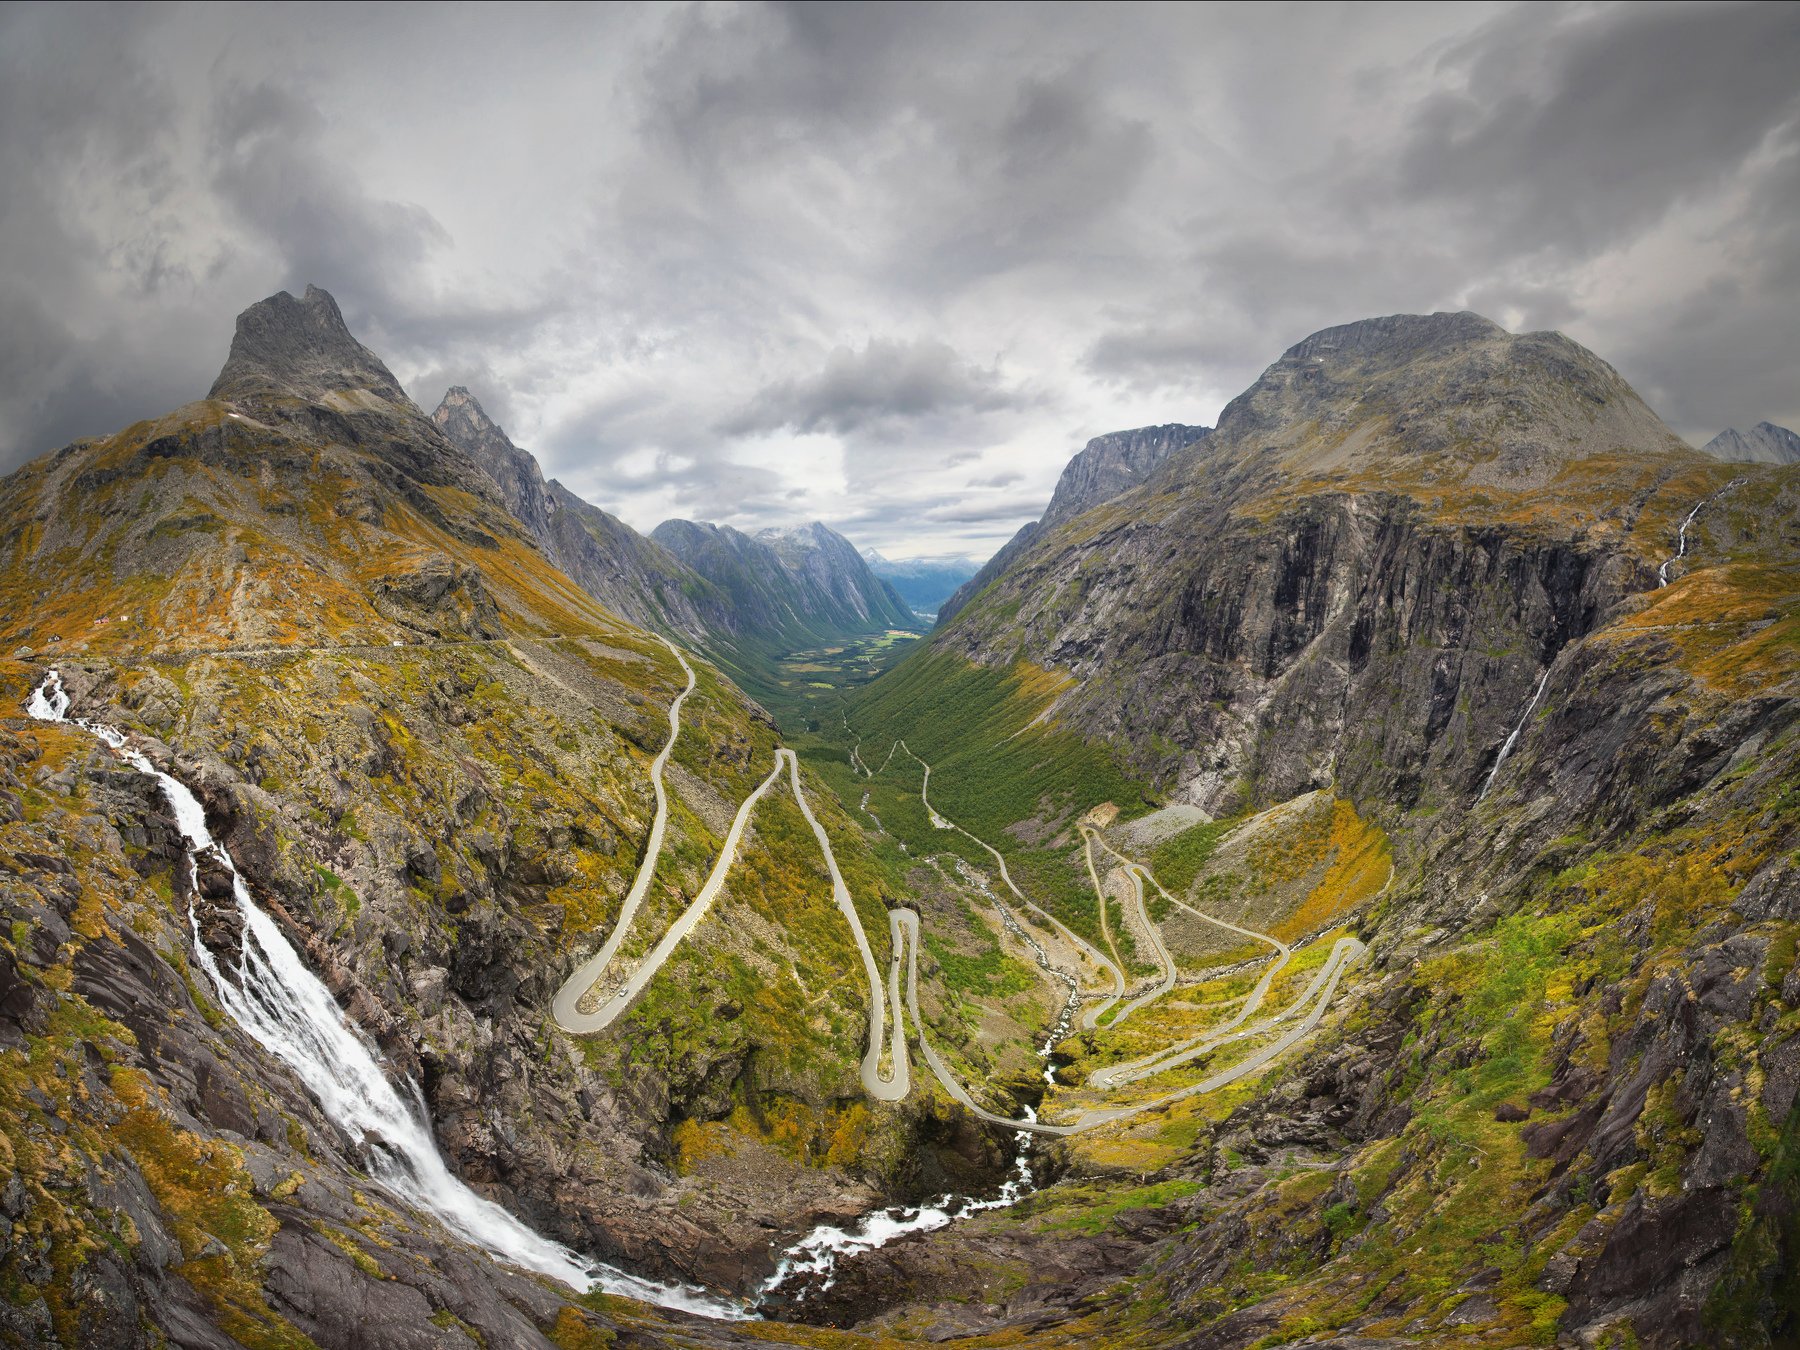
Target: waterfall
column 291, row 1013
column 1524, row 717
column 1662, row 573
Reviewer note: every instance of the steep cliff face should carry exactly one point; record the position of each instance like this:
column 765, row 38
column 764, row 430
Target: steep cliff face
column 629, row 574
column 1113, row 464
column 1361, row 574
column 830, row 565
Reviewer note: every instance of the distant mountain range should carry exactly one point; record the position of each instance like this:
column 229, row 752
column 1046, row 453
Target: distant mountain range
column 1764, row 443
column 716, row 586
column 787, row 587
column 923, row 583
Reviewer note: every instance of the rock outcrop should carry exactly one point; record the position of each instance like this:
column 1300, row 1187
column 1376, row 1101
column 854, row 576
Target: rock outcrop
column 1113, row 464
column 302, row 348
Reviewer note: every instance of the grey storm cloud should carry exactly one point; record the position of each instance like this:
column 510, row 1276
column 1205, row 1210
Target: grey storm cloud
column 885, row 388
column 1573, row 134
column 884, row 265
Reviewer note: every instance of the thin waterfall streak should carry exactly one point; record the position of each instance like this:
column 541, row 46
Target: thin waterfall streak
column 1517, row 731
column 1681, row 535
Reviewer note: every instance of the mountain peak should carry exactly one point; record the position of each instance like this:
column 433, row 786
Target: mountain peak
column 301, row 348
column 1398, row 336
column 460, row 416
column 1445, row 388
column 1764, row 443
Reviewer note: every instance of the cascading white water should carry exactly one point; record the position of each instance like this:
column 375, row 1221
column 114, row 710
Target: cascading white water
column 285, row 1006
column 1517, row 731
column 1662, row 573
column 812, row 1262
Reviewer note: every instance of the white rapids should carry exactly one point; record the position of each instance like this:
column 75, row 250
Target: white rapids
column 285, row 1007
column 811, row 1263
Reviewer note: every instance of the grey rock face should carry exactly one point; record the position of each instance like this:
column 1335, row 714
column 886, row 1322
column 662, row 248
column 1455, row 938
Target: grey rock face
column 1116, row 463
column 301, row 349
column 831, row 564
column 1503, row 409
column 1764, row 443
column 1277, row 642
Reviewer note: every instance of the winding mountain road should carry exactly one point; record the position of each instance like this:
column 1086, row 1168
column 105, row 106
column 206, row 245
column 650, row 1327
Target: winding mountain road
column 565, row 1008
column 1089, row 1019
column 1136, row 872
column 886, row 1064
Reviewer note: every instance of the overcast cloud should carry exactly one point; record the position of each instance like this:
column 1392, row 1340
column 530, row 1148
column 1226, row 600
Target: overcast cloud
column 885, row 267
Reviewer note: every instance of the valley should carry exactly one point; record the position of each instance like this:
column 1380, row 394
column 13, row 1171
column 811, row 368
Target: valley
column 1329, row 881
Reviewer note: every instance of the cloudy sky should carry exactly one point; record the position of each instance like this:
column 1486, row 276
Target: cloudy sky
column 887, row 267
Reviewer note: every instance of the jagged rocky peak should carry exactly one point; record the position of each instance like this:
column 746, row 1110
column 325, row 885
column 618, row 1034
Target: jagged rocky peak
column 1114, row 463
column 1457, row 389
column 1764, row 443
column 462, row 418
column 467, row 426
column 1104, row 468
column 301, row 348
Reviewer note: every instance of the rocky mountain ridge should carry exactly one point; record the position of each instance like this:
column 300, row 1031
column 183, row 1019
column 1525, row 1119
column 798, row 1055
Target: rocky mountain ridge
column 1113, row 464
column 631, row 575
column 1105, row 467
column 1764, row 443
